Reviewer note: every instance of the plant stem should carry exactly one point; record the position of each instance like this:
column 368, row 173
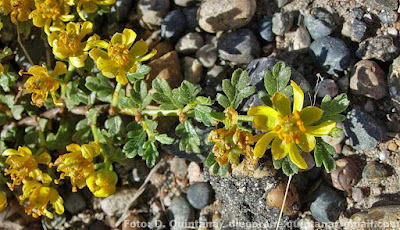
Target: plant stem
column 67, row 77
column 94, row 132
column 42, row 138
column 114, row 101
column 23, row 47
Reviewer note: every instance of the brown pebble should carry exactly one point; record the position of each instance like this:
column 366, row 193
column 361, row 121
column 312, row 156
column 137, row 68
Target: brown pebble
column 392, row 146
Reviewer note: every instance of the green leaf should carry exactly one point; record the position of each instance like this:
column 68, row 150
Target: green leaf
column 336, row 132
column 223, row 169
column 141, row 71
column 92, row 115
column 83, row 132
column 3, row 118
column 277, row 79
column 16, row 111
column 215, row 168
column 101, row 86
column 31, row 137
column 323, row 155
column 265, row 98
column 332, row 108
column 7, row 100
column 6, row 52
column 140, row 95
column 204, row 100
column 202, row 114
column 187, row 92
column 118, row 156
column 8, row 79
column 63, row 136
column 114, row 125
column 135, row 145
column 222, row 100
column 228, row 89
column 164, row 139
column 150, row 154
column 189, row 139
column 218, row 116
column 288, row 167
column 210, row 160
column 74, row 95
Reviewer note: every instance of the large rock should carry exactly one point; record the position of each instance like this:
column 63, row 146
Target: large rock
column 384, row 217
column 368, row 79
column 115, row 204
column 393, row 79
column 362, row 129
column 151, row 12
column 256, row 70
column 173, row 25
column 330, row 53
column 216, row 15
column 381, row 48
column 327, row 204
column 383, row 4
column 319, row 23
column 167, row 67
column 239, row 47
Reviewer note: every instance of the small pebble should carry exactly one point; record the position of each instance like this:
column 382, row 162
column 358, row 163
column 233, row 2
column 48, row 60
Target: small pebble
column 357, row 194
column 384, row 155
column 182, row 212
column 381, row 48
column 74, row 203
column 345, row 175
column 374, row 171
column 302, row 39
column 185, row 3
column 173, row 25
column 200, row 195
column 207, row 55
column 392, row 146
column 265, row 29
column 327, row 87
column 191, row 18
column 327, row 205
column 151, row 12
column 178, row 167
column 192, row 70
column 388, row 16
column 189, row 43
column 281, row 23
column 319, row 23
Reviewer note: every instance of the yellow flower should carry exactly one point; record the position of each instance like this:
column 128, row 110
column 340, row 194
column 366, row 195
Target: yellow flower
column 122, row 55
column 42, row 82
column 21, row 10
column 90, row 6
column 38, row 197
column 78, row 163
column 5, row 7
column 24, row 166
column 288, row 128
column 50, row 11
column 1, row 69
column 3, row 201
column 232, row 142
column 102, row 182
column 67, row 43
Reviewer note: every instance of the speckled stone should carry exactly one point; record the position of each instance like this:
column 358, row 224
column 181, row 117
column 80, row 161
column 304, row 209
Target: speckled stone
column 384, row 215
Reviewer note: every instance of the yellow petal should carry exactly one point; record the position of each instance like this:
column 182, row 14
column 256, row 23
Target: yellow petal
column 295, row 156
column 37, row 70
column 262, row 144
column 281, row 103
column 95, row 53
column 147, row 56
column 57, row 201
column 310, row 114
column 138, row 49
column 78, row 61
column 89, row 7
column 121, row 77
column 67, row 18
column 118, row 38
column 73, row 148
column 307, row 142
column 60, row 69
column 265, row 117
column 43, row 158
column 298, row 97
column 46, row 178
column 1, row 69
column 38, row 21
column 86, row 28
column 130, row 37
column 55, row 100
column 278, row 149
column 24, row 151
column 10, row 152
column 321, row 129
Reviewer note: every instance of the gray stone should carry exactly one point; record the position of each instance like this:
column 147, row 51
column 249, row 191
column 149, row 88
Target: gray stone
column 256, row 70
column 182, row 212
column 357, row 13
column 281, row 23
column 152, row 12
column 243, row 199
column 185, row 3
column 355, row 30
column 383, row 4
column 302, row 39
column 374, row 172
column 327, row 204
column 115, row 204
column 240, row 46
column 178, row 167
column 216, row 15
column 207, row 55
column 191, row 18
column 363, row 131
column 388, row 16
column 265, row 29
column 196, row 157
column 173, row 25
column 281, row 3
column 344, row 84
column 215, row 75
column 327, row 87
column 200, row 195
column 393, row 79
column 192, row 70
column 368, row 79
column 381, row 48
column 74, row 203
column 330, row 53
column 189, row 43
column 383, row 217
column 319, row 23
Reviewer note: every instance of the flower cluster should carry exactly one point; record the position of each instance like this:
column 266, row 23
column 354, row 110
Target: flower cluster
column 121, row 56
column 24, row 169
column 42, row 82
column 19, row 10
column 102, row 182
column 230, row 141
column 288, row 128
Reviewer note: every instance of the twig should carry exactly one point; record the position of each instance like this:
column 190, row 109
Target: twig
column 23, row 47
column 284, row 201
column 139, row 192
